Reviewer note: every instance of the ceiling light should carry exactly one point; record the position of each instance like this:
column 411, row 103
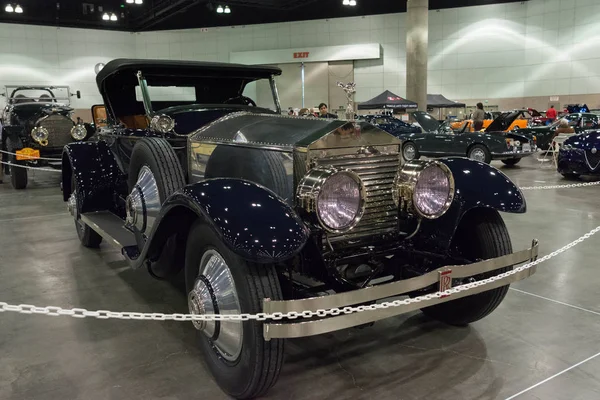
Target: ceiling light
column 219, row 10
column 139, row 1
column 346, row 2
column 105, row 17
column 129, row 1
column 227, row 10
column 9, row 8
column 352, row 3
column 18, row 9
column 113, row 17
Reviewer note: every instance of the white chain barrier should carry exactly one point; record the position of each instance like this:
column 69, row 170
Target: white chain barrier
column 30, row 167
column 104, row 314
column 567, row 186
column 32, row 158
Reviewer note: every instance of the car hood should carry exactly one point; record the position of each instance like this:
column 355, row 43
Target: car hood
column 285, row 133
column 427, row 121
column 503, row 121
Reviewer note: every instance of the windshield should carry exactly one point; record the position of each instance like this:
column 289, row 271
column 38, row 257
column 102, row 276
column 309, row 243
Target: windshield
column 22, row 95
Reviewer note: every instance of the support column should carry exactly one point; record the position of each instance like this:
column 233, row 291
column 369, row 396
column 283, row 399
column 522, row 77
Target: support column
column 417, row 39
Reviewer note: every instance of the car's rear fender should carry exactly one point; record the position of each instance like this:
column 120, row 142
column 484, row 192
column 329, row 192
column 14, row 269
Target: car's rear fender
column 477, row 185
column 251, row 220
column 96, row 173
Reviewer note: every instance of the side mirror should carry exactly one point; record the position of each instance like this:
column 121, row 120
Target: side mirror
column 78, row 94
column 99, row 115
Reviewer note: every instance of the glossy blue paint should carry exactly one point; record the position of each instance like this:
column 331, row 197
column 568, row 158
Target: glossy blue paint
column 96, row 173
column 251, row 220
column 477, row 186
column 580, row 154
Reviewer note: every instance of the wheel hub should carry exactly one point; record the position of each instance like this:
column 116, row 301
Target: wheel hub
column 478, row 155
column 143, row 203
column 72, row 204
column 409, row 153
column 214, row 293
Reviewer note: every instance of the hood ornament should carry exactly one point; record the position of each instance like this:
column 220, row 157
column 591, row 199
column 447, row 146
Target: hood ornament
column 350, row 89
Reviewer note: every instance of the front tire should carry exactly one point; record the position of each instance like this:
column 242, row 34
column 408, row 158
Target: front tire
column 87, row 236
column 18, row 174
column 570, row 175
column 218, row 281
column 511, row 161
column 480, row 153
column 410, row 152
column 481, row 235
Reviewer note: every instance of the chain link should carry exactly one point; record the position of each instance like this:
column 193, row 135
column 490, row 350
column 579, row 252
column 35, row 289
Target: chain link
column 30, row 167
column 571, row 185
column 32, row 158
column 105, row 314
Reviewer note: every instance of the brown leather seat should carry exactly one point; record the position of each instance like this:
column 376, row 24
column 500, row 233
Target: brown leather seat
column 135, row 121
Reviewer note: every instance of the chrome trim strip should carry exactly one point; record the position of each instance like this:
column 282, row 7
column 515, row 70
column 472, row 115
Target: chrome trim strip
column 398, row 288
column 310, row 328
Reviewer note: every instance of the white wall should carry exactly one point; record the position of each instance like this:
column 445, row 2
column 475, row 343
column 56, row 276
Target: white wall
column 33, row 55
column 539, row 48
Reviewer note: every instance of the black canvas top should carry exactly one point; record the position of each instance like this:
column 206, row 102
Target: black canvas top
column 439, row 101
column 387, row 99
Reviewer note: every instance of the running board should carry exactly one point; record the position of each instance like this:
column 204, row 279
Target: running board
column 111, row 228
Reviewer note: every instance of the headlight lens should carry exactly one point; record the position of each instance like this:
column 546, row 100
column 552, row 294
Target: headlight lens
column 424, row 188
column 335, row 197
column 40, row 134
column 78, row 132
column 162, row 123
column 434, row 191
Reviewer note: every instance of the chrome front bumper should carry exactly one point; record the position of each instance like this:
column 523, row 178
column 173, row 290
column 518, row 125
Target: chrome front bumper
column 443, row 276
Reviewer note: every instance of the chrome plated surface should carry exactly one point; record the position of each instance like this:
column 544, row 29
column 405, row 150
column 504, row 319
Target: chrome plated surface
column 214, row 292
column 275, row 93
column 377, row 172
column 162, row 123
column 409, row 151
column 401, row 287
column 310, row 187
column 145, row 93
column 320, row 326
column 406, row 181
column 143, row 203
column 59, row 129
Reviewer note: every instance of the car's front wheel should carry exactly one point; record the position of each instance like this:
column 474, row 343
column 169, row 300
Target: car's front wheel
column 511, row 161
column 219, row 282
column 570, row 175
column 87, row 236
column 479, row 152
column 18, row 172
column 480, row 235
column 410, row 151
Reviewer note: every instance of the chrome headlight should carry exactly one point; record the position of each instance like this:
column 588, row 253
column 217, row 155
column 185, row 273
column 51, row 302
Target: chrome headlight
column 336, row 197
column 78, row 132
column 162, row 123
column 40, row 134
column 426, row 188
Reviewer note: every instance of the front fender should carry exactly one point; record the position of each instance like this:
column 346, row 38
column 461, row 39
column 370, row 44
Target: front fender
column 96, row 173
column 251, row 220
column 477, row 185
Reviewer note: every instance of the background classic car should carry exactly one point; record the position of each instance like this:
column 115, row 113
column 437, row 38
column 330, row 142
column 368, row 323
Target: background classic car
column 439, row 140
column 580, row 155
column 36, row 125
column 544, row 134
column 390, row 124
column 521, row 121
column 266, row 213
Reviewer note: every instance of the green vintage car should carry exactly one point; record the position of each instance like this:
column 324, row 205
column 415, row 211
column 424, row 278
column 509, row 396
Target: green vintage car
column 578, row 121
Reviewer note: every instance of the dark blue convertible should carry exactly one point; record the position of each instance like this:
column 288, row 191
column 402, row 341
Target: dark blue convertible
column 580, row 155
column 390, row 124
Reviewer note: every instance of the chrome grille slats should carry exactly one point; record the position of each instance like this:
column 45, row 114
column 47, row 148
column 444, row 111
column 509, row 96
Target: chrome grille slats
column 377, row 171
column 59, row 130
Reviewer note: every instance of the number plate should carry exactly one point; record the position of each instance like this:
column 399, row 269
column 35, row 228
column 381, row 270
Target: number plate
column 27, row 154
column 526, row 147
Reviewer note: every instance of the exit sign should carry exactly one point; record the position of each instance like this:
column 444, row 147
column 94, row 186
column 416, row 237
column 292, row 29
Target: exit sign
column 303, row 54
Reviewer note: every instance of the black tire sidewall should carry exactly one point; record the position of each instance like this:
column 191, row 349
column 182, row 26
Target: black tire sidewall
column 18, row 175
column 236, row 377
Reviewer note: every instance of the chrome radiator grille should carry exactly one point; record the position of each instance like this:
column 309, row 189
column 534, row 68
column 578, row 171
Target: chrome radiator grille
column 381, row 214
column 59, row 129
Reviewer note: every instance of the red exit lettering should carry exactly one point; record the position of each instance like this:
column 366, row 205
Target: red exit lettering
column 303, row 54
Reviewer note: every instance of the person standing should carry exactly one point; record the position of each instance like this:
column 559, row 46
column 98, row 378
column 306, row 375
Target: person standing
column 478, row 117
column 551, row 114
column 323, row 112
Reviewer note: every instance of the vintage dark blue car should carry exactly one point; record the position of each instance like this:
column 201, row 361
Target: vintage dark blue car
column 580, row 155
column 265, row 213
column 390, row 124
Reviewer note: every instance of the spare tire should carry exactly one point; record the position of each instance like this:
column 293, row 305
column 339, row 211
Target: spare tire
column 267, row 168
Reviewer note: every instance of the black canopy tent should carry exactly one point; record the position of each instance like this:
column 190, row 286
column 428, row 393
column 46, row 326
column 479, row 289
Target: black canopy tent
column 439, row 101
column 387, row 99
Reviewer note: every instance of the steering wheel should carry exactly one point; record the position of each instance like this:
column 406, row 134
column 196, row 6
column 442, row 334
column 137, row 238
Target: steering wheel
column 246, row 101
